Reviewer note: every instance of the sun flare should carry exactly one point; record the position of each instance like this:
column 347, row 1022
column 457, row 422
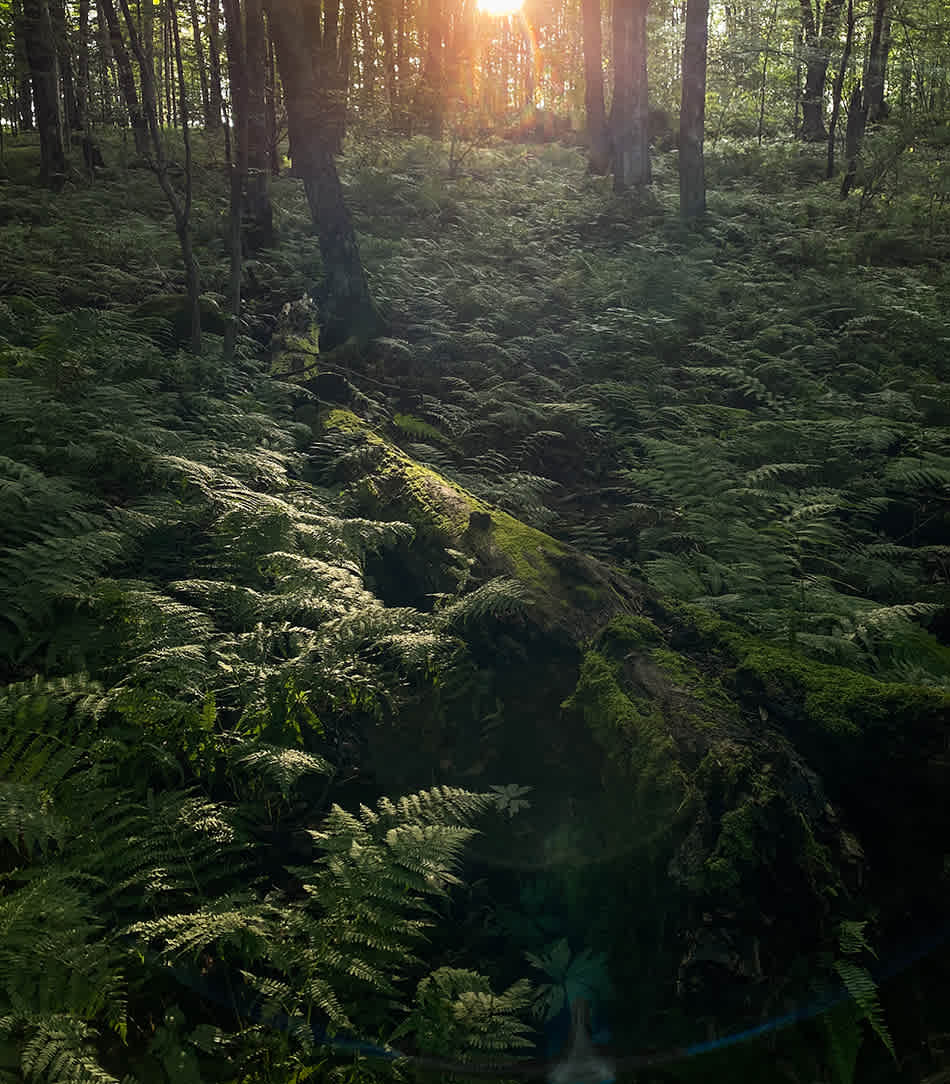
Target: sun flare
column 499, row 7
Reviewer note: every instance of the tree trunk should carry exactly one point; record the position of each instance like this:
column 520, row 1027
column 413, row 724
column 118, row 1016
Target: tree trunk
column 836, row 92
column 597, row 134
column 237, row 79
column 180, row 208
column 82, row 42
column 200, row 63
column 384, row 10
column 874, row 104
column 818, row 46
column 853, row 136
column 530, row 71
column 344, row 67
column 765, row 67
column 183, row 222
column 148, row 34
column 403, row 124
column 165, row 64
column 44, row 72
column 505, row 63
column 22, row 69
column 430, row 90
column 347, row 309
column 270, row 105
column 64, row 54
column 215, row 95
column 126, row 76
column 257, row 204
column 368, row 59
column 693, row 111
column 629, row 114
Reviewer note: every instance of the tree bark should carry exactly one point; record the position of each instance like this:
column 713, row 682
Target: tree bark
column 874, row 104
column 853, row 136
column 126, row 77
column 693, row 111
column 22, row 69
column 180, row 207
column 270, row 104
column 818, row 46
column 215, row 95
column 237, row 73
column 82, row 42
column 347, row 307
column 200, row 62
column 368, row 60
column 192, row 277
column 430, row 90
column 629, row 114
column 597, row 133
column 836, row 92
column 148, row 34
column 384, row 11
column 257, row 203
column 72, row 116
column 44, row 73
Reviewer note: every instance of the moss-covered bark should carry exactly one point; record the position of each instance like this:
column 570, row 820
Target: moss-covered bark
column 702, row 797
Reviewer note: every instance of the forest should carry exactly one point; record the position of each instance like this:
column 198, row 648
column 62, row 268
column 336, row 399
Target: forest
column 474, row 541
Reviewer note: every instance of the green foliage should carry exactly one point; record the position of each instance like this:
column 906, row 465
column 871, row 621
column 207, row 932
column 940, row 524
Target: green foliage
column 583, row 974
column 456, row 1015
column 165, row 544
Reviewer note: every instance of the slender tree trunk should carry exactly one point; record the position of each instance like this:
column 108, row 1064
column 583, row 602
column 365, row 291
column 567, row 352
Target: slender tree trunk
column 874, row 104
column 180, row 206
column 629, row 114
column 22, row 69
column 347, row 307
column 215, row 94
column 837, row 89
column 126, row 77
column 104, row 62
column 853, row 136
column 505, row 64
column 431, row 104
column 401, row 89
column 597, row 134
column 82, row 42
column 368, row 60
column 167, row 65
column 44, row 72
column 766, row 52
column 345, row 64
column 271, row 107
column 192, row 277
column 237, row 77
column 200, row 63
column 818, row 50
column 384, row 11
column 72, row 118
column 148, row 34
column 256, row 165
column 693, row 111
column 530, row 73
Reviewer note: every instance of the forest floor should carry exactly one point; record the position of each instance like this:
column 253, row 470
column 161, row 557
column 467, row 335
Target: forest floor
column 752, row 416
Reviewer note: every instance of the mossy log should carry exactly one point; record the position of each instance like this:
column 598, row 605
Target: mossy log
column 711, row 799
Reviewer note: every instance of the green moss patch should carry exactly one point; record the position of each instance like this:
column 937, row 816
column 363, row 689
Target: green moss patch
column 632, row 732
column 834, row 700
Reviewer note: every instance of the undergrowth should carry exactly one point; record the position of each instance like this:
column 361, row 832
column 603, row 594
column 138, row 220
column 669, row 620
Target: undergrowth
column 752, row 416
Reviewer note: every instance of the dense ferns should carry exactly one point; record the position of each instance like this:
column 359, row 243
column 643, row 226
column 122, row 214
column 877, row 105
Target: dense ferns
column 199, row 614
